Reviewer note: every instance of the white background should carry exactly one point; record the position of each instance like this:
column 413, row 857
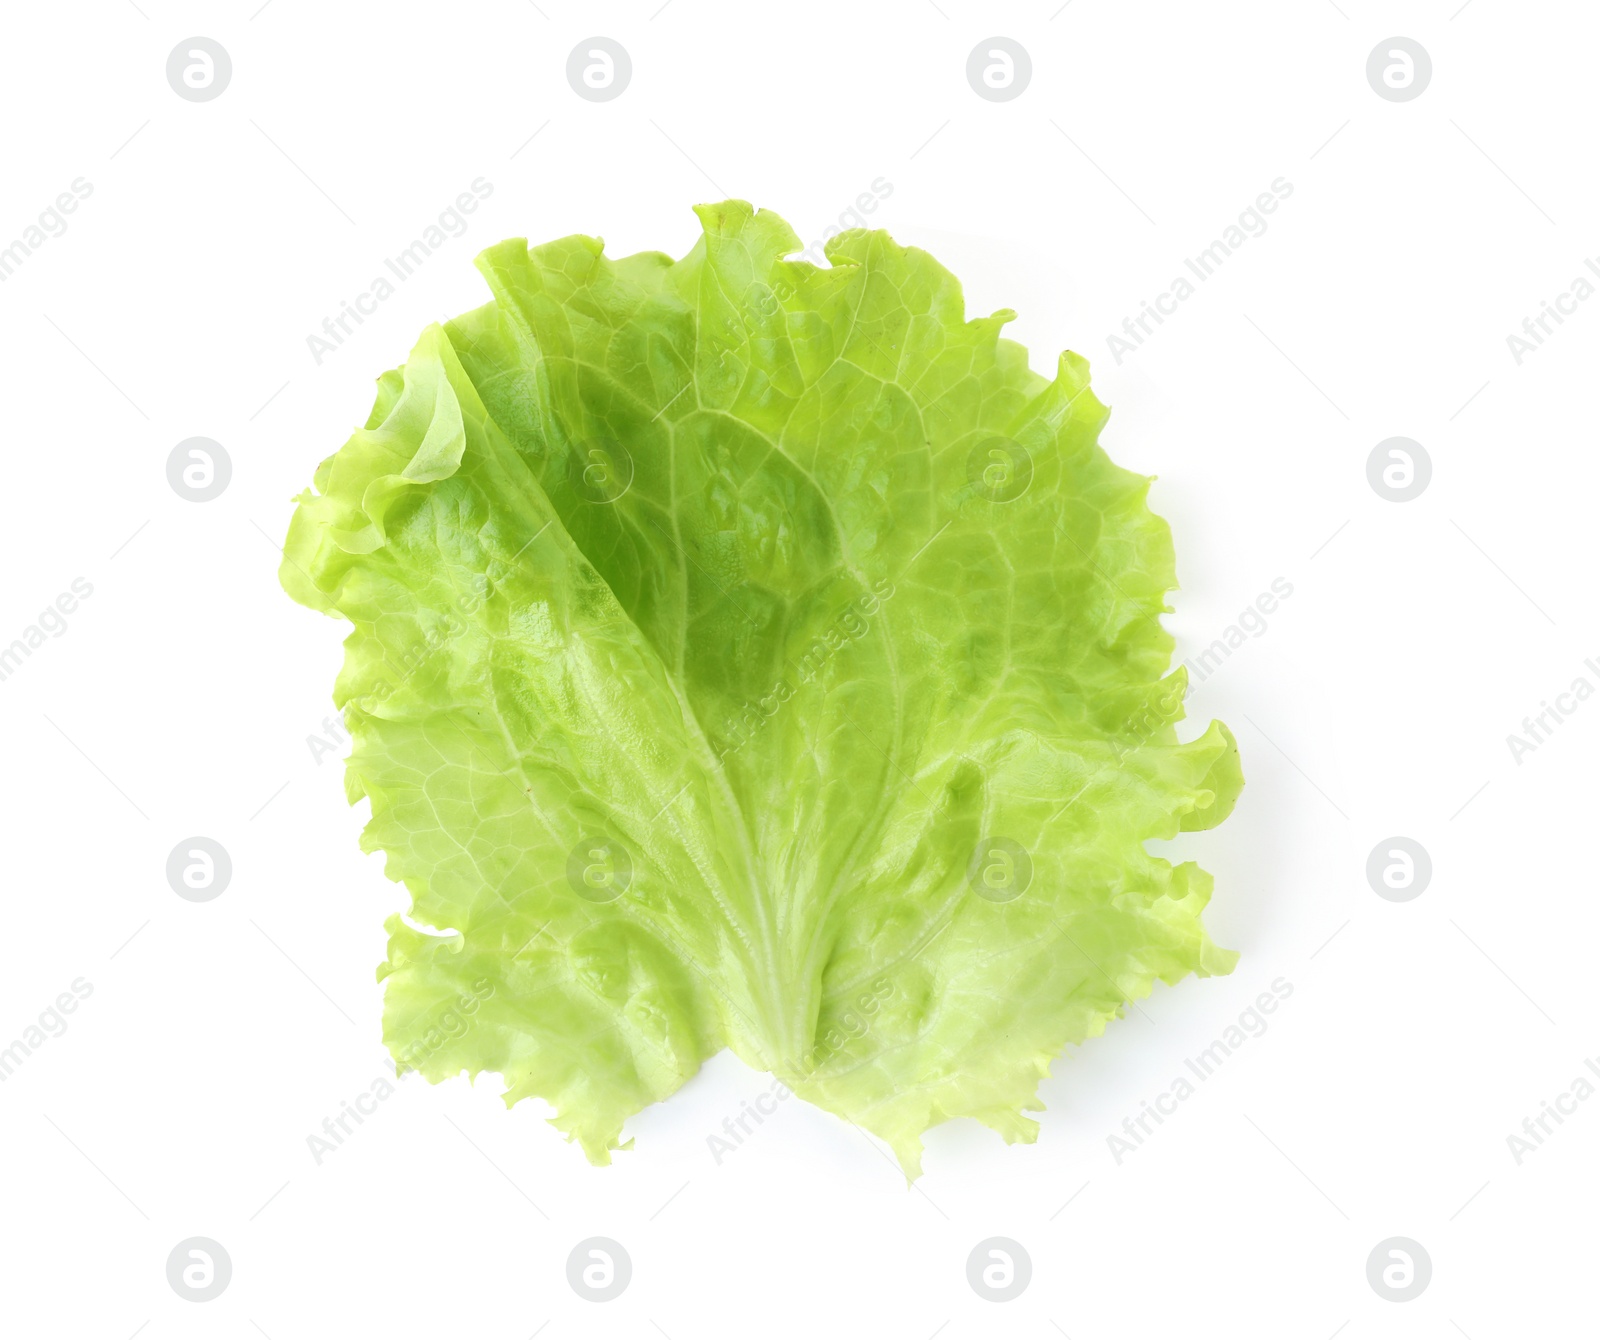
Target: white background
column 180, row 699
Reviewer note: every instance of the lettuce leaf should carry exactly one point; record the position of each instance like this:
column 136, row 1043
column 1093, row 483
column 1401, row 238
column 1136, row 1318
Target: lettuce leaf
column 757, row 655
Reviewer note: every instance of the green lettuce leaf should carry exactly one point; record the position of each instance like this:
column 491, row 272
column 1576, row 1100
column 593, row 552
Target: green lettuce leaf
column 756, row 655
